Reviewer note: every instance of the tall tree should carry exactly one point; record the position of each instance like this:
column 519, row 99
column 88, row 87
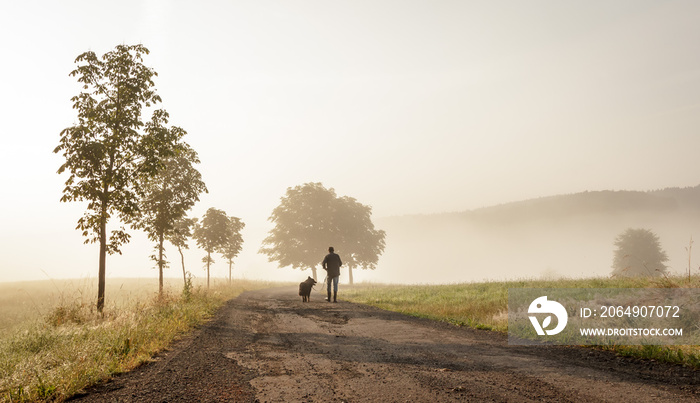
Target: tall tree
column 167, row 197
column 211, row 234
column 310, row 218
column 111, row 149
column 234, row 243
column 182, row 231
column 638, row 253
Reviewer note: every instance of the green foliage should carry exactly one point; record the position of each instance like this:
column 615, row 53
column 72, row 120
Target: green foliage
column 638, row 253
column 310, row 218
column 182, row 231
column 18, row 395
column 188, row 288
column 169, row 194
column 111, row 147
column 166, row 198
column 234, row 242
column 211, row 233
column 218, row 232
column 208, row 260
column 111, row 150
column 44, row 390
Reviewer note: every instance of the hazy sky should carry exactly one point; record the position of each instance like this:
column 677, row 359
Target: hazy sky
column 408, row 106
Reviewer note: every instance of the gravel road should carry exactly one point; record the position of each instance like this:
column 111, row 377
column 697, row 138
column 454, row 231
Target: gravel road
column 268, row 346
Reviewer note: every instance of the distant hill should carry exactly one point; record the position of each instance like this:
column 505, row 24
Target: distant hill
column 564, row 235
column 606, row 202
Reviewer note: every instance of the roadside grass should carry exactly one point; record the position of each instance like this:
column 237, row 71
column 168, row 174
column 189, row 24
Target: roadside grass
column 485, row 306
column 22, row 302
column 56, row 352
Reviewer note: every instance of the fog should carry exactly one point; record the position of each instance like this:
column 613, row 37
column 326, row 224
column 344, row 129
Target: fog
column 430, row 112
column 465, row 247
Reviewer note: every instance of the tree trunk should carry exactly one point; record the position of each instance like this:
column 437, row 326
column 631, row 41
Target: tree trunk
column 182, row 258
column 350, row 272
column 208, row 263
column 103, row 261
column 230, row 263
column 313, row 273
column 160, row 265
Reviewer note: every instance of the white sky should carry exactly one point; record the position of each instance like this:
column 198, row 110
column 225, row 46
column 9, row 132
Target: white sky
column 408, row 106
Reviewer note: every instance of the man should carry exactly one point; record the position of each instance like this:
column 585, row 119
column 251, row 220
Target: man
column 331, row 264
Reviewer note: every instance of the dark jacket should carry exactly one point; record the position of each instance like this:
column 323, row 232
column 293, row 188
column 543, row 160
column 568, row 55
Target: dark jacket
column 331, row 263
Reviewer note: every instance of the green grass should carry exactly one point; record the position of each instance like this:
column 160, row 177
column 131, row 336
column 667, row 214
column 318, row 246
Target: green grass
column 485, row 306
column 57, row 350
column 53, row 344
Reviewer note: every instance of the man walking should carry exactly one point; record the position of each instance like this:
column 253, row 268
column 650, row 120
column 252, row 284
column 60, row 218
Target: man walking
column 331, row 264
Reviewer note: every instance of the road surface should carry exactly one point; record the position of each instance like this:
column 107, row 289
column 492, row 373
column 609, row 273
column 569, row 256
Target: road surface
column 268, row 346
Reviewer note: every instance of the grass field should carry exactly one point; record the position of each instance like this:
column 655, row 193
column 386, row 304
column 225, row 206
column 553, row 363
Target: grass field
column 22, row 302
column 485, row 306
column 53, row 343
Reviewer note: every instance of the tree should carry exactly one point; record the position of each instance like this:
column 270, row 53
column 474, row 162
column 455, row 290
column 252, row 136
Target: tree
column 182, row 230
column 310, row 218
column 167, row 197
column 111, row 150
column 212, row 234
column 638, row 254
column 360, row 242
column 234, row 243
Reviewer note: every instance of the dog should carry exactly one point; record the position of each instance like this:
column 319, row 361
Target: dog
column 305, row 289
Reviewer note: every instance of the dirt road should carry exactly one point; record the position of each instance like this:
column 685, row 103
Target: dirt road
column 268, row 346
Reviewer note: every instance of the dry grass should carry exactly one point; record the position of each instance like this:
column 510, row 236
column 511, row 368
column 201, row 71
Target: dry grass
column 22, row 302
column 57, row 345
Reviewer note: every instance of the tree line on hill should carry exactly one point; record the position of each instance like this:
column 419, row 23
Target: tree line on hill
column 143, row 173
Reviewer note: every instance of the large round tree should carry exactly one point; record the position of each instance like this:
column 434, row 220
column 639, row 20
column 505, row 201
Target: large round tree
column 638, row 253
column 310, row 218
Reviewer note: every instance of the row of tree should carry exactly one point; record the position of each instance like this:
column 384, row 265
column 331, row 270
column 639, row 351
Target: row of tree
column 219, row 233
column 143, row 173
column 140, row 172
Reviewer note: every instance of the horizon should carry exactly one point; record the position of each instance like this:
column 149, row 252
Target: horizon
column 289, row 275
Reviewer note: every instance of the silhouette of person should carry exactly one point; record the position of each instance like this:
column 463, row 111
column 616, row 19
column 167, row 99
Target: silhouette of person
column 331, row 264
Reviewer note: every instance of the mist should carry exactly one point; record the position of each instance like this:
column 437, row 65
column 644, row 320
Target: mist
column 568, row 236
column 439, row 115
